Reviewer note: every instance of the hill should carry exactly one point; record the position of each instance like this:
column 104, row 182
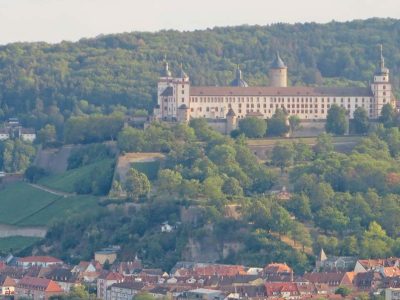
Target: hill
column 43, row 83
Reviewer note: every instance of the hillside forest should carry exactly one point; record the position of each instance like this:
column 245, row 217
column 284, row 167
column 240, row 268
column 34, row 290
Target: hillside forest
column 50, row 83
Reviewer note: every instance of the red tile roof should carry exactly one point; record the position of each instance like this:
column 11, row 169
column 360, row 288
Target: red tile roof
column 280, row 91
column 277, row 288
column 277, row 268
column 39, row 284
column 40, row 259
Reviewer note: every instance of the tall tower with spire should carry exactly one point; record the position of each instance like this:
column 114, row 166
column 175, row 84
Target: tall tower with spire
column 173, row 99
column 381, row 87
column 239, row 81
column 278, row 72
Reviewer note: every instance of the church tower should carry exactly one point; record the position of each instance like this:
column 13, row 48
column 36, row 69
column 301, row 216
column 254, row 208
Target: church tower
column 381, row 88
column 278, row 72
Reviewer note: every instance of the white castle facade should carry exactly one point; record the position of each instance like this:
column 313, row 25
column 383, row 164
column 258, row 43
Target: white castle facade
column 179, row 101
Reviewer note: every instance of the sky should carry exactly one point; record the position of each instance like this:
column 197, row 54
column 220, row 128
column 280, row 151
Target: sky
column 56, row 20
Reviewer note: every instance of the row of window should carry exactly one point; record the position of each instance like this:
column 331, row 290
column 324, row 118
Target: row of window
column 273, row 99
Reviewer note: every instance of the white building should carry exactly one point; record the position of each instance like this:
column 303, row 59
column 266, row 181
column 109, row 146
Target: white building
column 179, row 101
column 27, row 134
column 392, row 294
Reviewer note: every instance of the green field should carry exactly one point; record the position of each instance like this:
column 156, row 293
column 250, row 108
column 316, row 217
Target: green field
column 149, row 168
column 27, row 206
column 20, row 200
column 16, row 243
column 65, row 182
column 60, row 209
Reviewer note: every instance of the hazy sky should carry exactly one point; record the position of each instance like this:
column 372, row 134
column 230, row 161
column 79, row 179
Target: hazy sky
column 56, row 20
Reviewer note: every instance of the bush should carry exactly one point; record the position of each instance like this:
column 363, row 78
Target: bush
column 34, row 173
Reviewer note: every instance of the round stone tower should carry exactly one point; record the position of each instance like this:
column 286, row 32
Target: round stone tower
column 278, row 72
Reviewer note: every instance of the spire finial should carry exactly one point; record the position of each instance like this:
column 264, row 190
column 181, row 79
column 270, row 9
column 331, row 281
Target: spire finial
column 166, row 72
column 382, row 58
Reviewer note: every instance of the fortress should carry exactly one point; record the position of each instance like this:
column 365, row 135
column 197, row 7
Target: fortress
column 179, row 101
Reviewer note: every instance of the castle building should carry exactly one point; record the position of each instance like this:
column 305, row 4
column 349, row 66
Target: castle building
column 179, row 101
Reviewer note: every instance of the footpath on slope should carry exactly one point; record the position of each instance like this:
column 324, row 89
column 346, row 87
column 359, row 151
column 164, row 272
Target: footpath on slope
column 51, row 191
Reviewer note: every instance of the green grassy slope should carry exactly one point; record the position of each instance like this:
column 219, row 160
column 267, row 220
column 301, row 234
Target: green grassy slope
column 27, row 206
column 20, row 200
column 16, row 243
column 65, row 181
column 60, row 209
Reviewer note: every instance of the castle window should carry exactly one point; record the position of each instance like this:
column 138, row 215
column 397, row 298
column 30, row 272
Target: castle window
column 384, row 93
column 207, row 108
column 192, row 109
column 384, row 87
column 183, row 92
column 183, row 99
column 348, row 105
column 384, row 100
column 341, row 100
column 322, row 111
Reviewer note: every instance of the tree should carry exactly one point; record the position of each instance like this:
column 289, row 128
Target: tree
column 232, row 187
column 324, row 145
column 253, row 127
column 281, row 221
column 278, row 124
column 330, row 218
column 212, row 187
column 282, row 155
column 303, row 152
column 343, row 291
column 360, row 121
column 375, row 242
column 131, row 139
column 34, row 173
column 137, row 185
column 336, row 120
column 299, row 205
column 387, row 116
column 190, row 188
column 301, row 234
column 168, row 181
column 47, row 135
column 294, row 123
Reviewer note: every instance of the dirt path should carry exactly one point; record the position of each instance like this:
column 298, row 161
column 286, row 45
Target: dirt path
column 32, row 231
column 51, row 191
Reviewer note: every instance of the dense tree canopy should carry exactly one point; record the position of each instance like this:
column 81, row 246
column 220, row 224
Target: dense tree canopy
column 47, row 84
